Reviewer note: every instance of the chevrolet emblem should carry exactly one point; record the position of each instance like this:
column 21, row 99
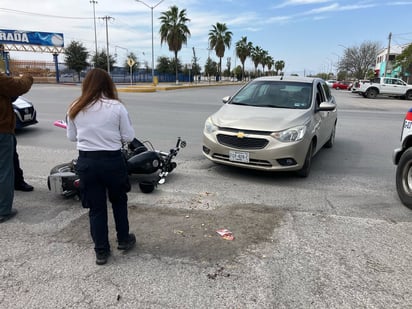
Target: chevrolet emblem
column 240, row 134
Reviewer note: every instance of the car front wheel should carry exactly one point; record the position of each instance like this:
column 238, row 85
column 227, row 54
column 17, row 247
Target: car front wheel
column 304, row 171
column 331, row 140
column 404, row 178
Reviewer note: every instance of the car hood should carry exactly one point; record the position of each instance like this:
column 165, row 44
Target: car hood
column 21, row 103
column 259, row 118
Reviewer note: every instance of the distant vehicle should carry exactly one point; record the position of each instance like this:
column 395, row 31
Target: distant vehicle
column 340, row 85
column 330, row 82
column 386, row 86
column 272, row 124
column 25, row 113
column 357, row 84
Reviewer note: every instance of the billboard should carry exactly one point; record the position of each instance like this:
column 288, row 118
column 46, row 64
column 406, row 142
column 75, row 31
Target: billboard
column 31, row 38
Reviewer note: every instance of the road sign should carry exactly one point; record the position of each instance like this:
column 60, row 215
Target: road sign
column 130, row 62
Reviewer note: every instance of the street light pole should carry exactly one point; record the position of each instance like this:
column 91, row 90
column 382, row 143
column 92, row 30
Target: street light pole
column 151, row 8
column 94, row 19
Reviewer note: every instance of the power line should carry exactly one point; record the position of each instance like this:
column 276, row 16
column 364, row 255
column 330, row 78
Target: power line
column 42, row 15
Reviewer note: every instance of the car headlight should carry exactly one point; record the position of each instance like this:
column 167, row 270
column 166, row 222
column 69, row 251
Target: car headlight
column 290, row 135
column 209, row 126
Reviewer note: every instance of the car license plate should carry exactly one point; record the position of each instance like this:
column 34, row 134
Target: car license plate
column 239, row 156
column 27, row 117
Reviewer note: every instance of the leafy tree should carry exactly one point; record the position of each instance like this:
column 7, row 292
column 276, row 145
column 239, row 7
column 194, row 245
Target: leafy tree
column 168, row 65
column 210, row 67
column 220, row 38
column 100, row 60
column 358, row 59
column 196, row 69
column 176, row 63
column 163, row 65
column 238, row 72
column 342, row 75
column 76, row 57
column 174, row 31
column 404, row 60
column 324, row 76
column 243, row 50
column 279, row 65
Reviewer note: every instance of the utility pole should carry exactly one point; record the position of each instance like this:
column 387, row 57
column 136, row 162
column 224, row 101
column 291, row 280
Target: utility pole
column 107, row 18
column 388, row 54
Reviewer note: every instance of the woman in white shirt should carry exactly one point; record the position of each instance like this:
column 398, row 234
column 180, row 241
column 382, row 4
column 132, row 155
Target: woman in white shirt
column 100, row 123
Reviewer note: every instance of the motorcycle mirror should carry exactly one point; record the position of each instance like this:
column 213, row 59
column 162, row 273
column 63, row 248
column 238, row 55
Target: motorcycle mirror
column 182, row 144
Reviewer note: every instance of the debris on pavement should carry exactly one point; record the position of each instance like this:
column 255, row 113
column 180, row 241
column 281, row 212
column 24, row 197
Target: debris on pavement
column 225, row 234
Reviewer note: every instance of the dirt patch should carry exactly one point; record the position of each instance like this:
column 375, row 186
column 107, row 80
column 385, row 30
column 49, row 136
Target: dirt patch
column 189, row 234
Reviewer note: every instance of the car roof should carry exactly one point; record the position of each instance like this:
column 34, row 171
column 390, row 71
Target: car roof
column 288, row 79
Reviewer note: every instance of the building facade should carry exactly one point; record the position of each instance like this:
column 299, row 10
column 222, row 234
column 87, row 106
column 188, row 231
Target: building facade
column 385, row 64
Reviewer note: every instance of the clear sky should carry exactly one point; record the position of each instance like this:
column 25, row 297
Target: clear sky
column 309, row 35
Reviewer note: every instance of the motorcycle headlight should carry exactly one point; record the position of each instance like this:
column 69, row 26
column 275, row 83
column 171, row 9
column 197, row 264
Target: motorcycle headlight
column 209, row 126
column 290, row 135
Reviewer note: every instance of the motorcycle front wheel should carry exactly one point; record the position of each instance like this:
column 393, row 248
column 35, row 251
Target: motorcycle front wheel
column 404, row 178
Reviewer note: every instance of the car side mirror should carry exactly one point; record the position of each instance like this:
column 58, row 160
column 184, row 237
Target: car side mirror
column 226, row 99
column 326, row 107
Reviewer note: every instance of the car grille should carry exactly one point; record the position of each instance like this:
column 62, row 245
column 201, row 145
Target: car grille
column 253, row 162
column 242, row 143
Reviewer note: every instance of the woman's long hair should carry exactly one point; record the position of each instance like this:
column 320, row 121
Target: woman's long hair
column 97, row 84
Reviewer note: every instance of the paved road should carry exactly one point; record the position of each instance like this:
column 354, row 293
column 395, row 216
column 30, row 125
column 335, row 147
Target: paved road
column 339, row 239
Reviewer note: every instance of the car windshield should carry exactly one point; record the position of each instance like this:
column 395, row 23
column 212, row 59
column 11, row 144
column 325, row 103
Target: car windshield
column 277, row 94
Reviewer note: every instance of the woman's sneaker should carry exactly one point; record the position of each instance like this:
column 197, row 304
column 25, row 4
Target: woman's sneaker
column 128, row 244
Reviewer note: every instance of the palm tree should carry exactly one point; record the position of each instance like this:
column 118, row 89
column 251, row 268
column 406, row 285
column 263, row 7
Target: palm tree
column 219, row 38
column 270, row 62
column 279, row 65
column 256, row 55
column 243, row 49
column 174, row 31
column 263, row 55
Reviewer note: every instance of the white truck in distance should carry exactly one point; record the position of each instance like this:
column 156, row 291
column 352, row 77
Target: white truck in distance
column 386, row 86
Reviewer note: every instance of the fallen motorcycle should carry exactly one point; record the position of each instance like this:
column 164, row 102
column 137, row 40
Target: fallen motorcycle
column 149, row 166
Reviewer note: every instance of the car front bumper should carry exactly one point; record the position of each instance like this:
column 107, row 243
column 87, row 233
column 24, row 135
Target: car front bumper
column 274, row 156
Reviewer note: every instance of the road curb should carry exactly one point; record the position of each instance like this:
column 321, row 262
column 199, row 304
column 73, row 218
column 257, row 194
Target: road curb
column 171, row 87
